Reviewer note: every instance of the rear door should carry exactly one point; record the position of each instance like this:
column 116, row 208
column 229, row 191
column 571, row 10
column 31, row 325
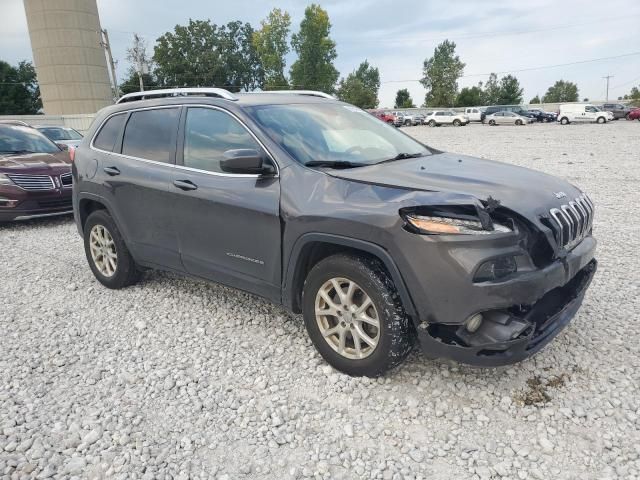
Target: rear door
column 136, row 177
column 228, row 224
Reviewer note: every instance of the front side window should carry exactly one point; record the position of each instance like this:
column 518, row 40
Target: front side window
column 108, row 134
column 333, row 132
column 208, row 134
column 150, row 134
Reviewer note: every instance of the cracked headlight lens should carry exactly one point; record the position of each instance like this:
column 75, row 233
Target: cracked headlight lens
column 455, row 226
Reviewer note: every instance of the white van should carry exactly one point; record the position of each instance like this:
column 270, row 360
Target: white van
column 474, row 113
column 572, row 112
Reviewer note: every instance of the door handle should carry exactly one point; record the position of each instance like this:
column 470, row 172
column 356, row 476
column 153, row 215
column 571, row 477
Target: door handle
column 113, row 171
column 185, row 185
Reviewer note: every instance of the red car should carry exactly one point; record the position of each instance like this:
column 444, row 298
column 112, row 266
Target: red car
column 634, row 114
column 35, row 175
column 384, row 116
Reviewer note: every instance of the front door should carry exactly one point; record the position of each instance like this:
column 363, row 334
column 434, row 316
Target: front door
column 228, row 224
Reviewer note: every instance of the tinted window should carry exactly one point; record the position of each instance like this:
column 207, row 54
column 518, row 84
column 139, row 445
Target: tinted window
column 108, row 134
column 150, row 134
column 208, row 133
column 19, row 139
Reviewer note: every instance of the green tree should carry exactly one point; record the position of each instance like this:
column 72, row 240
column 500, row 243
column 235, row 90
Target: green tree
column 271, row 44
column 403, row 99
column 634, row 96
column 440, row 75
column 535, row 99
column 491, row 92
column 239, row 57
column 203, row 54
column 561, row 91
column 361, row 87
column 314, row 68
column 510, row 91
column 19, row 91
column 132, row 83
column 470, row 97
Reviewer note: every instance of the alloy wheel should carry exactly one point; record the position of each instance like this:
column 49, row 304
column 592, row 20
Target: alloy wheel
column 103, row 250
column 347, row 318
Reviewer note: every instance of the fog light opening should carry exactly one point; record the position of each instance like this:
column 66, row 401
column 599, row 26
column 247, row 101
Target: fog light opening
column 474, row 322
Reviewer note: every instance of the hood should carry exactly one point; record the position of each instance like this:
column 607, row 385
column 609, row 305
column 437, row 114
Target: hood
column 527, row 192
column 36, row 163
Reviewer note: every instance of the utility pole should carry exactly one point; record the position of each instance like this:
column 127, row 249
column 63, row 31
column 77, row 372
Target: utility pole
column 104, row 36
column 607, row 78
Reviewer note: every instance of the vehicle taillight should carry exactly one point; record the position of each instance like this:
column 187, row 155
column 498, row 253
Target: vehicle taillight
column 72, row 153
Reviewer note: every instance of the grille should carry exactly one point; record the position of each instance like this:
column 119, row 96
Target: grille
column 66, row 180
column 572, row 221
column 32, row 182
column 56, row 203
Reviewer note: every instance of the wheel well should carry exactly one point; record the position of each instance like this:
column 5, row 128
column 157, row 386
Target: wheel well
column 310, row 255
column 87, row 207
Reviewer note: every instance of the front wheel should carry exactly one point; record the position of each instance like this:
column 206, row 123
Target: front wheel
column 564, row 121
column 456, row 123
column 601, row 120
column 108, row 256
column 518, row 122
column 432, row 123
column 354, row 316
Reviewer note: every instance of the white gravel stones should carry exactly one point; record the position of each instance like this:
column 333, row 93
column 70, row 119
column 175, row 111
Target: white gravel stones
column 174, row 378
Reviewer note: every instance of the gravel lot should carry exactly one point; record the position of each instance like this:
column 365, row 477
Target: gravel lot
column 175, row 378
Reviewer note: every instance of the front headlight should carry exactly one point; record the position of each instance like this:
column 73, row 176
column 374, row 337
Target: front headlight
column 454, row 226
column 4, row 180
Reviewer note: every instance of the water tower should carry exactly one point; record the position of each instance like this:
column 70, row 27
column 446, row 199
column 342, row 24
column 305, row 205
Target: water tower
column 69, row 59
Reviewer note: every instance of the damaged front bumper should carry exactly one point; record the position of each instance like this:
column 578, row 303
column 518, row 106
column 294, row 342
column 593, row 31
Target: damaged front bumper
column 509, row 335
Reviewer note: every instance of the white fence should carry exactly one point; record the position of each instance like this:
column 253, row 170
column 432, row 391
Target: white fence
column 80, row 122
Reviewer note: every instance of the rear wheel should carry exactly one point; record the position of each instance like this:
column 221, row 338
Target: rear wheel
column 354, row 316
column 492, row 122
column 107, row 254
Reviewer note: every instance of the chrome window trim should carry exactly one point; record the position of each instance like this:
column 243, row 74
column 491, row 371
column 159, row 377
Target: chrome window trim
column 182, row 167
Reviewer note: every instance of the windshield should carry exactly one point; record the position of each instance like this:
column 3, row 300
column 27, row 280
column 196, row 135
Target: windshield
column 16, row 139
column 333, row 132
column 59, row 133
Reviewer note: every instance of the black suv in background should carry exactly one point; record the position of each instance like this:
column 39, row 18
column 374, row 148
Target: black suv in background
column 377, row 239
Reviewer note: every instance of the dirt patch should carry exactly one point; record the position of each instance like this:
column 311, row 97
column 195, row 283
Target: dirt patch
column 538, row 390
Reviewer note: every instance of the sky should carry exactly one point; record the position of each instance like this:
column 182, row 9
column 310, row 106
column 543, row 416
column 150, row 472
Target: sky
column 509, row 36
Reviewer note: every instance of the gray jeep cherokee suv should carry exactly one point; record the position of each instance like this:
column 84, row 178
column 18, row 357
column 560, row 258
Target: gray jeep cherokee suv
column 380, row 241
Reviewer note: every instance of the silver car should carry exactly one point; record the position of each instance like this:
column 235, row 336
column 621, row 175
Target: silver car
column 507, row 118
column 66, row 136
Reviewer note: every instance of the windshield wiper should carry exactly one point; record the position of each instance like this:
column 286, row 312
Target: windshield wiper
column 334, row 164
column 402, row 156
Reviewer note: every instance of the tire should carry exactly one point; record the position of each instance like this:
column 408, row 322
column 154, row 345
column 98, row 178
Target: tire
column 125, row 272
column 628, row 116
column 394, row 335
column 564, row 121
column 432, row 123
column 518, row 122
column 407, row 123
column 456, row 123
column 601, row 120
column 492, row 123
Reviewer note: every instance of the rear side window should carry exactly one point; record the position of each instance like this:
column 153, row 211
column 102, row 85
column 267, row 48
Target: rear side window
column 151, row 134
column 108, row 134
column 208, row 134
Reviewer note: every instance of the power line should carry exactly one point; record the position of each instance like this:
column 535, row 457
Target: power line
column 529, row 69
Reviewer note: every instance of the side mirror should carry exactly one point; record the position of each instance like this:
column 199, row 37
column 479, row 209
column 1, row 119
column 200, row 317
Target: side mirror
column 62, row 146
column 247, row 161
